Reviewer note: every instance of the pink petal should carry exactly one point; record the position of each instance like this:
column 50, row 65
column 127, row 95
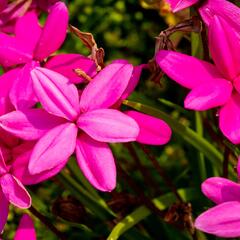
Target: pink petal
column 4, row 205
column 29, row 124
column 186, row 70
column 25, row 229
column 3, row 158
column 107, row 87
column 22, row 95
column 15, row 192
column 11, row 13
column 57, row 95
column 3, row 4
column 54, row 148
column 226, row 58
column 221, row 190
column 227, row 10
column 67, row 63
column 54, row 31
column 209, row 95
column 222, row 220
column 153, row 131
column 177, row 5
column 133, row 81
column 28, row 31
column 6, row 81
column 108, row 125
column 8, row 139
column 45, row 4
column 229, row 116
column 19, row 167
column 96, row 161
column 11, row 53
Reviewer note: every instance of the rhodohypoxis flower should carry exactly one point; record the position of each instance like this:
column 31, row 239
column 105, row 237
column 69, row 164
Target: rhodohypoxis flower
column 211, row 85
column 30, row 46
column 153, row 131
column 210, row 8
column 11, row 191
column 84, row 126
column 25, row 229
column 222, row 220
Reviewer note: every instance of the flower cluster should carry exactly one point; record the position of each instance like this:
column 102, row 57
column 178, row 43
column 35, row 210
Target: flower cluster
column 213, row 84
column 48, row 112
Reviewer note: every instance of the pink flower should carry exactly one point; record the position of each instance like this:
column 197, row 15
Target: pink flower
column 83, row 126
column 177, row 5
column 152, row 131
column 9, row 13
column 222, row 220
column 209, row 8
column 11, row 191
column 211, row 85
column 25, row 229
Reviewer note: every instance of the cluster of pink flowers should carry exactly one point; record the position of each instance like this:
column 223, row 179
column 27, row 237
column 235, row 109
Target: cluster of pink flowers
column 214, row 85
column 45, row 117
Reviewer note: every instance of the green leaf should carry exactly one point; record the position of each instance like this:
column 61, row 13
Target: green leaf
column 142, row 212
column 184, row 132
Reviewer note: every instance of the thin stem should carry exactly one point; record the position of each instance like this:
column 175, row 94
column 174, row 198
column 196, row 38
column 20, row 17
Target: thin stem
column 47, row 223
column 160, row 171
column 146, row 201
column 144, row 171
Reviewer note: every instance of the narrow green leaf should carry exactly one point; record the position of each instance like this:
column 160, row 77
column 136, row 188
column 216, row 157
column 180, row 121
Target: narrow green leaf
column 184, row 132
column 142, row 212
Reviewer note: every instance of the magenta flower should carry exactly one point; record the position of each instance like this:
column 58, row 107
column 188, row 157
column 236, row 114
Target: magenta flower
column 11, row 191
column 9, row 13
column 83, row 126
column 25, row 229
column 152, row 131
column 30, row 45
column 209, row 8
column 222, row 220
column 211, row 85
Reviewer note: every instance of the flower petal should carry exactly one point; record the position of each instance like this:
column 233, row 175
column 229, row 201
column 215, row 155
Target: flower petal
column 177, row 5
column 221, row 190
column 107, row 87
column 133, row 81
column 11, row 52
column 53, row 149
column 15, row 192
column 96, row 161
column 229, row 119
column 153, row 131
column 222, row 220
column 54, row 31
column 56, row 94
column 186, row 70
column 4, row 206
column 226, row 58
column 6, row 82
column 22, row 95
column 227, row 10
column 209, row 95
column 65, row 64
column 19, row 167
column 28, row 31
column 25, row 229
column 108, row 125
column 29, row 124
